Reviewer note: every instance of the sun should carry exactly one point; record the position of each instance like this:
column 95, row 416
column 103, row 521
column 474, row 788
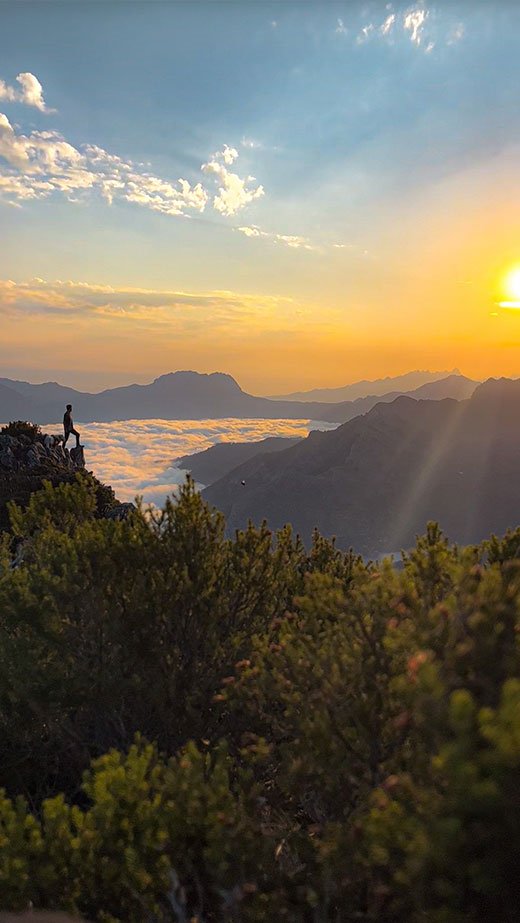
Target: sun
column 511, row 287
column 512, row 282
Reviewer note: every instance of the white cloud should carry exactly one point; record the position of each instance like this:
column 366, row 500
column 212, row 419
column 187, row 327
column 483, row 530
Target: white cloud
column 12, row 148
column 253, row 231
column 137, row 456
column 387, row 26
column 366, row 33
column 7, row 92
column 234, row 193
column 341, row 28
column 414, row 22
column 228, row 154
column 352, row 248
column 294, row 241
column 30, row 92
column 250, row 143
column 44, row 163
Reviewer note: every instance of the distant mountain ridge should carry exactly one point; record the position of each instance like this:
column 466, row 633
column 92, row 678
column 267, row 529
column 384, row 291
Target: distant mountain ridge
column 398, row 383
column 374, row 481
column 183, row 396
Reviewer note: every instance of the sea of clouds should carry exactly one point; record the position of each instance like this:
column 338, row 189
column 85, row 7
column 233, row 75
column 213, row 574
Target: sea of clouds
column 137, row 457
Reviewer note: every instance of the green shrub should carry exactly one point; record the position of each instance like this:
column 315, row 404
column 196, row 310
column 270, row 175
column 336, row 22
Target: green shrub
column 331, row 740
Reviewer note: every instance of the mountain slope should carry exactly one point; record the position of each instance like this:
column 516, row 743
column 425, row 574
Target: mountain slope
column 213, row 463
column 456, row 386
column 375, row 481
column 14, row 405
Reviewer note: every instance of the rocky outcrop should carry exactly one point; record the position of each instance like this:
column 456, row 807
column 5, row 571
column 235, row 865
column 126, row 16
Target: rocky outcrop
column 43, row 453
column 28, row 458
column 120, row 511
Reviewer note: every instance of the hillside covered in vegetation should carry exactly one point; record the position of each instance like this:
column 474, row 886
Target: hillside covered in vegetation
column 31, row 459
column 203, row 729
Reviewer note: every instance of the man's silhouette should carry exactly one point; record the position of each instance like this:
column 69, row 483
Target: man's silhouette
column 68, row 426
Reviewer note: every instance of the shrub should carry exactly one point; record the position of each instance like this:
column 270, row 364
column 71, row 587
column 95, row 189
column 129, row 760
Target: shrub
column 331, row 740
column 22, row 428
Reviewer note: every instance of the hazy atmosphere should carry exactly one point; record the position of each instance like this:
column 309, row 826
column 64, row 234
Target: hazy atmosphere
column 299, row 194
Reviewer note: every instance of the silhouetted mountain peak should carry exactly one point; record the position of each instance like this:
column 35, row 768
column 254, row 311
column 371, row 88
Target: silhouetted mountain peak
column 199, row 380
column 496, row 389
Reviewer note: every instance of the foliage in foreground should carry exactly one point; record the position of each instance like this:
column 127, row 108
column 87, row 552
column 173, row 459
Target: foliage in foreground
column 330, row 740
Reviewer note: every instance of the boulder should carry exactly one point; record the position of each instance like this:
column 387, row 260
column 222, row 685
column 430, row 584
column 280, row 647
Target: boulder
column 77, row 456
column 7, row 458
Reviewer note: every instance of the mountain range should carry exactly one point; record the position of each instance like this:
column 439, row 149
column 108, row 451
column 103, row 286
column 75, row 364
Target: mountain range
column 191, row 395
column 376, row 480
column 402, row 383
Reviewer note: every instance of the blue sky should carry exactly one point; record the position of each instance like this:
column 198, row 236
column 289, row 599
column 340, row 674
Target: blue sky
column 328, row 150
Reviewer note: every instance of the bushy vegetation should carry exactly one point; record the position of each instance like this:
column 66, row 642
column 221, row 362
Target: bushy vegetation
column 21, row 428
column 197, row 729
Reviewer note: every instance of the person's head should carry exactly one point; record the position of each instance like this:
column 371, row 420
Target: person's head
column 69, row 406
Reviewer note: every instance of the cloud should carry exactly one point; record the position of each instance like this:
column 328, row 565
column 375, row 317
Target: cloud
column 290, row 240
column 182, row 313
column 44, row 163
column 30, row 92
column 137, row 457
column 387, row 26
column 341, row 28
column 414, row 22
column 297, row 242
column 250, row 143
column 234, row 193
column 228, row 154
column 352, row 248
column 366, row 33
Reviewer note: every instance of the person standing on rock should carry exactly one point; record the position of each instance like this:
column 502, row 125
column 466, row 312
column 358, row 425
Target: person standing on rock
column 68, row 426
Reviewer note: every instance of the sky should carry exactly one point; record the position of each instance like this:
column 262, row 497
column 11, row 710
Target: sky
column 301, row 194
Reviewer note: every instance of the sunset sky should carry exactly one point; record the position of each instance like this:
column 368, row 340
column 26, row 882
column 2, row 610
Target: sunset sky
column 301, row 194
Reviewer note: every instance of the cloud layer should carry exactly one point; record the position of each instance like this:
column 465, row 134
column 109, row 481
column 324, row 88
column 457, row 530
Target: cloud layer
column 137, row 457
column 180, row 311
